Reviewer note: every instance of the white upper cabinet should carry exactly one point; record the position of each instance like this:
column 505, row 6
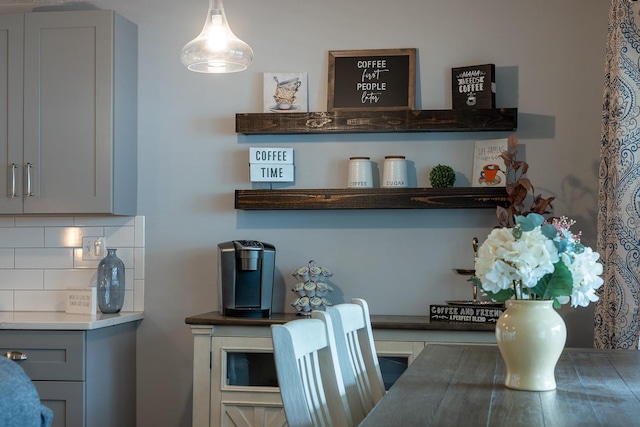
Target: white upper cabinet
column 71, row 113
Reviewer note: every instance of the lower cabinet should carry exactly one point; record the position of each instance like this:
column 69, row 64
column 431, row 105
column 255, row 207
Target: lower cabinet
column 86, row 377
column 244, row 388
column 65, row 399
column 234, row 377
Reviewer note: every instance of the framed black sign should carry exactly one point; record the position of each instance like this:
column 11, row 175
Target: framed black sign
column 372, row 79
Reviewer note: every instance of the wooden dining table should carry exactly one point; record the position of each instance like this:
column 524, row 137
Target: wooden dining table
column 463, row 385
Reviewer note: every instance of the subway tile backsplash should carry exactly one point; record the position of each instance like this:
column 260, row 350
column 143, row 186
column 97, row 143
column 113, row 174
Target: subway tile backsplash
column 41, row 257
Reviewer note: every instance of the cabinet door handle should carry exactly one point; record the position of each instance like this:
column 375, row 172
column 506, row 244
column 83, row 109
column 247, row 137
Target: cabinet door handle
column 15, row 355
column 29, row 192
column 12, row 190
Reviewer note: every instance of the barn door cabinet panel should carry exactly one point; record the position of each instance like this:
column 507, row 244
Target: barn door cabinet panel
column 71, row 112
column 234, row 377
column 86, row 377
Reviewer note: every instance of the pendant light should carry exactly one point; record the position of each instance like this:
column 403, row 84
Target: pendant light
column 216, row 49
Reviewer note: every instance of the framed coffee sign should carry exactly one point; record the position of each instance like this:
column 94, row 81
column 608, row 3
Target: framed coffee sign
column 372, row 79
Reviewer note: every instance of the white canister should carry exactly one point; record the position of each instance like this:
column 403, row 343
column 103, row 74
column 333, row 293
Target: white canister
column 360, row 173
column 394, row 174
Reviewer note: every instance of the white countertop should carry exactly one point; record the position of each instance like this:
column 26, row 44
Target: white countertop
column 59, row 320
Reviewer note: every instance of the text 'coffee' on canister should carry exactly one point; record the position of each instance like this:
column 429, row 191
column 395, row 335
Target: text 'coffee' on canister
column 360, row 174
column 394, row 174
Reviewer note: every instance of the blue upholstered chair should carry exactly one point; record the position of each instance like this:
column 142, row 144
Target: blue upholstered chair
column 19, row 401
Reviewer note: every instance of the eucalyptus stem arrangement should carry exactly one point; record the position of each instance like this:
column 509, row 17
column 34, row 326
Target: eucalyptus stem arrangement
column 520, row 191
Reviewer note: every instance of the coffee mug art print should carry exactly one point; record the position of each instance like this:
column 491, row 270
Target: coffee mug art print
column 285, row 92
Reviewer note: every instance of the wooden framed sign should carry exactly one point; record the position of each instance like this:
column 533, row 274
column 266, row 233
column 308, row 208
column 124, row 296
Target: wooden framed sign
column 372, row 79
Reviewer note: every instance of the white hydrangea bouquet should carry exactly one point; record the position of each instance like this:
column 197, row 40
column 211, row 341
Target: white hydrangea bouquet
column 538, row 260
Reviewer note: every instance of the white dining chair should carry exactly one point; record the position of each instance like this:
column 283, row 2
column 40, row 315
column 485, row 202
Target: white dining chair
column 356, row 354
column 309, row 375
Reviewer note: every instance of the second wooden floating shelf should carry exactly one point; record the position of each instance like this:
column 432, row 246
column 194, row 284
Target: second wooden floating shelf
column 498, row 119
column 371, row 198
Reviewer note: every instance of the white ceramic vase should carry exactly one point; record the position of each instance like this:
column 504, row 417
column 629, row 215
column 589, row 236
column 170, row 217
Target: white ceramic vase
column 531, row 336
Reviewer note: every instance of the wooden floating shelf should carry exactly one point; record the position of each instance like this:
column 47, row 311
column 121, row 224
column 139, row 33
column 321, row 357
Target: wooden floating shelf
column 499, row 119
column 371, row 198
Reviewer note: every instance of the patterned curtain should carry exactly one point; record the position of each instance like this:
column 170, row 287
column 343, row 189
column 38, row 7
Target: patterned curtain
column 616, row 313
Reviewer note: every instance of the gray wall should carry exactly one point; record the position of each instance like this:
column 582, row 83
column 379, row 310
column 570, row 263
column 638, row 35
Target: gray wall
column 550, row 60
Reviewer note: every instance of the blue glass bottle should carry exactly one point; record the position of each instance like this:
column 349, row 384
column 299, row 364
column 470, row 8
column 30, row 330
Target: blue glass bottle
column 110, row 283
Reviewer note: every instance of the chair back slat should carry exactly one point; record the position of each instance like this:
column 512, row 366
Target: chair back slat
column 312, row 379
column 360, row 370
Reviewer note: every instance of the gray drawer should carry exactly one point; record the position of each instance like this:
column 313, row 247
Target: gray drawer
column 51, row 355
column 65, row 399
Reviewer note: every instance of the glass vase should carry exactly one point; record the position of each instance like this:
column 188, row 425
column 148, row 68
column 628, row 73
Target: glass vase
column 110, row 283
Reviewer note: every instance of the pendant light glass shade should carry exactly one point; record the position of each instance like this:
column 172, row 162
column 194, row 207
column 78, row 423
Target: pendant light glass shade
column 216, row 49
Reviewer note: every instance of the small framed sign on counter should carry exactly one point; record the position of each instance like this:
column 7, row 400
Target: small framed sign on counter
column 372, row 79
column 81, row 301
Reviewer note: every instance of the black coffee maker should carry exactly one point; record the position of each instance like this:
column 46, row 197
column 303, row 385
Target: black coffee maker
column 245, row 277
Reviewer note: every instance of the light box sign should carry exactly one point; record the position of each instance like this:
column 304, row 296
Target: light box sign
column 271, row 164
